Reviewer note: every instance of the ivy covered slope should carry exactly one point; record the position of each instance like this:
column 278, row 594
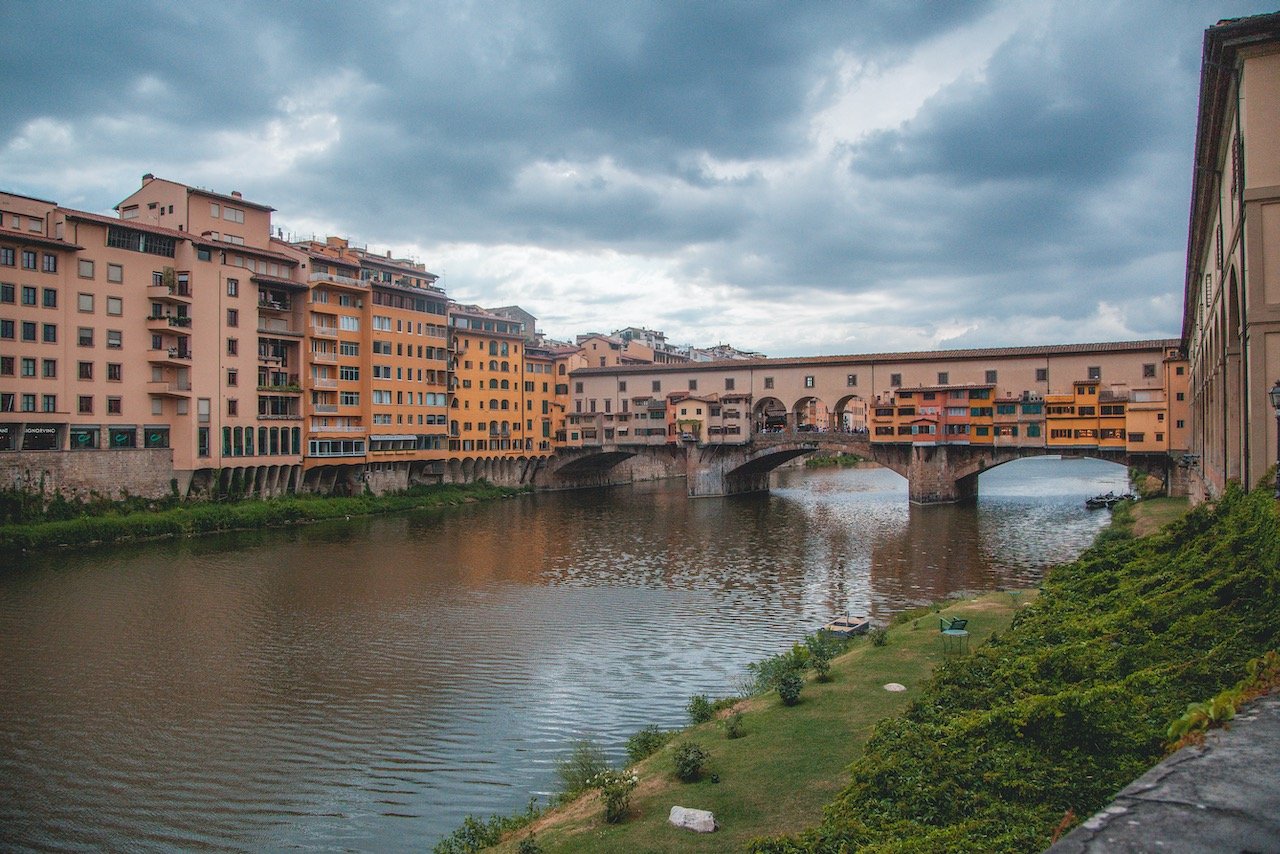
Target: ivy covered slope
column 1042, row 726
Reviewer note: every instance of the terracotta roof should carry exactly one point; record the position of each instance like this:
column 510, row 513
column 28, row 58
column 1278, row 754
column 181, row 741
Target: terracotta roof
column 127, row 223
column 879, row 358
column 32, row 239
column 234, row 200
column 201, row 240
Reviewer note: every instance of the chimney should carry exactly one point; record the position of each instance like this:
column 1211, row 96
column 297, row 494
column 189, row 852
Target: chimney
column 235, row 194
column 147, row 177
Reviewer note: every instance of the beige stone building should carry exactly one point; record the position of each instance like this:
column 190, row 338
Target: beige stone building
column 1231, row 324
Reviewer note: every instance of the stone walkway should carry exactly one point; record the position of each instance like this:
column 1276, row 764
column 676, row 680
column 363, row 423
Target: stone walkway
column 1223, row 796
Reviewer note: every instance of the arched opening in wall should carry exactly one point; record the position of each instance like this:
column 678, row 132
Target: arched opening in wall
column 850, row 414
column 768, row 415
column 1043, row 485
column 812, row 415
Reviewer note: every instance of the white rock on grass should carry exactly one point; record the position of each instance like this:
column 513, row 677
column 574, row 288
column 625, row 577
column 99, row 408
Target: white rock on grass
column 895, row 687
column 700, row 821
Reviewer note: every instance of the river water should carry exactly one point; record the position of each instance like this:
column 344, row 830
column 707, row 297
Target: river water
column 365, row 684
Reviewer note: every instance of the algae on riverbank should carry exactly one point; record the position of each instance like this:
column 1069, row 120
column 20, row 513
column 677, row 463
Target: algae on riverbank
column 190, row 518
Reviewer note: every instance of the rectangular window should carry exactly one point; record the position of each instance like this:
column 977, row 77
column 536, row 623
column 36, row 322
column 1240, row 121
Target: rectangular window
column 84, row 370
column 84, row 404
column 233, row 287
column 28, row 295
column 115, row 339
column 6, row 256
column 233, row 377
column 84, row 336
column 6, row 329
column 49, row 298
column 1042, row 375
column 349, row 398
column 115, row 306
column 728, row 383
column 140, row 241
column 895, row 380
column 49, row 368
column 351, row 324
column 233, row 317
column 115, row 273
column 84, row 302
column 1148, row 371
column 6, row 366
column 943, row 377
column 851, row 380
column 657, row 385
column 28, row 330
column 115, row 371
column 992, row 377
column 233, row 346
column 114, row 406
column 86, row 268
column 7, row 293
column 349, row 348
column 49, row 333
column 768, row 382
column 233, row 214
column 49, row 402
column 693, row 385
column 49, row 263
column 808, row 381
column 1095, row 372
column 28, row 403
column 28, row 259
column 233, row 406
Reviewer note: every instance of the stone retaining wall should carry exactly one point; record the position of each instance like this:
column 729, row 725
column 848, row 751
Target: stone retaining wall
column 114, row 474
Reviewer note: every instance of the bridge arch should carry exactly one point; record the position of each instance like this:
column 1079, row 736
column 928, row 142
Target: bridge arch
column 769, row 413
column 811, row 412
column 850, row 414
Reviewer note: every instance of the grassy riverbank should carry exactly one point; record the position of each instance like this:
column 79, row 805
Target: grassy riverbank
column 790, row 760
column 996, row 750
column 122, row 524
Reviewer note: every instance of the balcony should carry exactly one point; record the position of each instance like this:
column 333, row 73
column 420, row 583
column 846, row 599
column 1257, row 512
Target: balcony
column 325, row 408
column 324, row 357
column 166, row 388
column 339, row 428
column 169, row 294
column 274, row 305
column 324, row 331
column 157, row 322
column 334, row 278
column 324, row 382
column 280, row 389
column 165, row 357
column 278, row 327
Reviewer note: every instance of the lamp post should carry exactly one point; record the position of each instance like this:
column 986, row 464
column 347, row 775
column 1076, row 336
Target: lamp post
column 1274, row 395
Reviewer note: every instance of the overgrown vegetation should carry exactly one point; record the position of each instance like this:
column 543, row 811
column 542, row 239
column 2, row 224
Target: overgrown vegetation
column 646, row 742
column 578, row 771
column 475, row 834
column 690, row 757
column 818, row 461
column 134, row 519
column 1050, row 719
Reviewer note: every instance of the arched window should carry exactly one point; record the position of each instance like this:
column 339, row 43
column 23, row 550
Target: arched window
column 493, row 383
column 237, row 442
column 505, row 404
column 505, row 384
column 493, row 348
column 226, row 441
column 493, row 364
column 493, row 404
column 297, row 440
column 506, row 366
column 561, row 370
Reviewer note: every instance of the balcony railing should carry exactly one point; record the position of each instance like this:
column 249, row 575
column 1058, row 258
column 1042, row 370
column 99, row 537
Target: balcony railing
column 324, row 331
column 324, row 382
column 325, row 408
column 168, row 320
column 334, row 277
column 324, row 357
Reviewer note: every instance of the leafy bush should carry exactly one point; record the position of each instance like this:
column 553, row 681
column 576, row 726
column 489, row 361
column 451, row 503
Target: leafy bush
column 580, row 767
column 646, row 742
column 733, row 725
column 699, row 709
column 823, row 646
column 879, row 637
column 689, row 759
column 615, row 790
column 769, row 671
column 789, row 687
column 529, row 845
column 476, row 834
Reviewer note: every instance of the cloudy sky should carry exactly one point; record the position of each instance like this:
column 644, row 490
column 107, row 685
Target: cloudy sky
column 796, row 178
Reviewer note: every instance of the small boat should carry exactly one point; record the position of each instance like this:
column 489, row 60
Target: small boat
column 847, row 626
column 1109, row 500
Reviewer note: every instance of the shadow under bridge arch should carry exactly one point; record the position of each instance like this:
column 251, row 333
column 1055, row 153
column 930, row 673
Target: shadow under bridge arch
column 737, row 469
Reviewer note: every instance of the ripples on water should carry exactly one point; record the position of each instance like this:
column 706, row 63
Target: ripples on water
column 366, row 684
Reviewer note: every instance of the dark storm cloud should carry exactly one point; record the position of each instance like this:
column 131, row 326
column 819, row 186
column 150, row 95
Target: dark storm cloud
column 1052, row 179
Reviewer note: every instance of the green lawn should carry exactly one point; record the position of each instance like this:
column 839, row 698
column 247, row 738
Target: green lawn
column 791, row 761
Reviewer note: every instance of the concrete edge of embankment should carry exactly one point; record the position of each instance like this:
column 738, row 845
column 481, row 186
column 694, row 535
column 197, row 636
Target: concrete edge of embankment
column 1222, row 795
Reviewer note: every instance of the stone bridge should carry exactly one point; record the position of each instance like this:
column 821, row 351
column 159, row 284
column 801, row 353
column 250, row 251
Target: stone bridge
column 935, row 474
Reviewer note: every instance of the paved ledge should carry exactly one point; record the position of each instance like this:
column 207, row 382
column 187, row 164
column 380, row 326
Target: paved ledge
column 1223, row 796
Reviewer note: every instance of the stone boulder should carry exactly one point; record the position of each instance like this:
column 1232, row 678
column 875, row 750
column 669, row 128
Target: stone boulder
column 699, row 821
